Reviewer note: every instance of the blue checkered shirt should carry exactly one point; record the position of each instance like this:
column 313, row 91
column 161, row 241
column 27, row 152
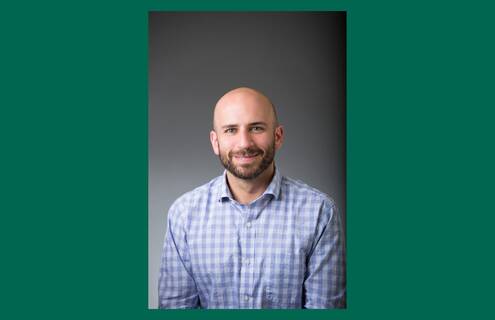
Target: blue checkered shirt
column 283, row 250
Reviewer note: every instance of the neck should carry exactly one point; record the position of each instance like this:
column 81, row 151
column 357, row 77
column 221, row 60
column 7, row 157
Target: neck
column 245, row 191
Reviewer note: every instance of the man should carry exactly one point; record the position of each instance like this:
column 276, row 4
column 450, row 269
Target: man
column 251, row 238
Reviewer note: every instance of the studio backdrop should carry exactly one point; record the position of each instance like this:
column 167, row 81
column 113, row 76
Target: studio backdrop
column 297, row 59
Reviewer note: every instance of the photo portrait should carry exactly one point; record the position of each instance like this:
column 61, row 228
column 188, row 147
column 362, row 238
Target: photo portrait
column 247, row 154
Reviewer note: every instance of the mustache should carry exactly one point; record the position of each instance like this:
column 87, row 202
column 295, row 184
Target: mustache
column 248, row 152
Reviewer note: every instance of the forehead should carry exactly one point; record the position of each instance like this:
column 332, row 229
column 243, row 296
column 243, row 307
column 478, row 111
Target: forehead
column 242, row 109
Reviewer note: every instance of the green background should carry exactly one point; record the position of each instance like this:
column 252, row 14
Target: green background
column 73, row 125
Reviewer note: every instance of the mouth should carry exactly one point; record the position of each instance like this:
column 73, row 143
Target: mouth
column 246, row 158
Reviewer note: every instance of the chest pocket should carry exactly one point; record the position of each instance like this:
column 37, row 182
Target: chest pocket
column 284, row 282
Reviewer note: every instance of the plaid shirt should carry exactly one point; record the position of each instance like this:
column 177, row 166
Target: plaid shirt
column 283, row 250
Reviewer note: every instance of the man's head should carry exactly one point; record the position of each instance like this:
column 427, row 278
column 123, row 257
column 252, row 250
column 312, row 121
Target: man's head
column 245, row 132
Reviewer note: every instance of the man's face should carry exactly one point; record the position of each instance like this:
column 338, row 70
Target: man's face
column 248, row 163
column 245, row 137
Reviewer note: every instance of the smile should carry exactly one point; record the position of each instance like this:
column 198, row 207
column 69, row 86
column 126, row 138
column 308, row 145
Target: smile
column 246, row 159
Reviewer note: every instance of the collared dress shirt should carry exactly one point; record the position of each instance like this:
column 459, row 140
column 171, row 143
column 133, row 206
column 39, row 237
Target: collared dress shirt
column 283, row 250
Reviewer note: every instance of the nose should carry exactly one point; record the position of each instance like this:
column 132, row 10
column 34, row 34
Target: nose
column 245, row 139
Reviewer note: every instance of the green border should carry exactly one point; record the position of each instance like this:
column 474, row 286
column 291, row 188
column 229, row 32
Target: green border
column 74, row 162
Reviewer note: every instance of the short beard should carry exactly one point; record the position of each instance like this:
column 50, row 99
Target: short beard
column 266, row 161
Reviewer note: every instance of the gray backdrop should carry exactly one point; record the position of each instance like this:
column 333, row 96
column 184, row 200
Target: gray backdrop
column 296, row 59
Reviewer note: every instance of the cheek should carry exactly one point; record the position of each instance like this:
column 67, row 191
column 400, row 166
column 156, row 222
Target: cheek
column 224, row 146
column 264, row 142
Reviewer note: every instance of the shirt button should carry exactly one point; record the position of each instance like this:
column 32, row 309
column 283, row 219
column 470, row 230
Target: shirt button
column 246, row 262
column 246, row 297
column 248, row 224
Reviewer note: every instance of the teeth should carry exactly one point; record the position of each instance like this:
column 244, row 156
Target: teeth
column 246, row 155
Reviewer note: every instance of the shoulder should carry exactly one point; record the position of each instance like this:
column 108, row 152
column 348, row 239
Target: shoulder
column 194, row 199
column 294, row 188
column 308, row 200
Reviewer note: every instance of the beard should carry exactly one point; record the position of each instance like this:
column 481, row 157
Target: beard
column 252, row 170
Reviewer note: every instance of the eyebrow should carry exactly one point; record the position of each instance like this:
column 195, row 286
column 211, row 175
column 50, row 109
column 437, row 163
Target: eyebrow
column 258, row 123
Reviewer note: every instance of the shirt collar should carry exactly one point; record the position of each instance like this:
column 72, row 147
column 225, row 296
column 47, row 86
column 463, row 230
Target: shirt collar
column 272, row 189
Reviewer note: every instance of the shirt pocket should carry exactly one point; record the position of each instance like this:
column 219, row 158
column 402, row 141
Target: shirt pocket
column 284, row 280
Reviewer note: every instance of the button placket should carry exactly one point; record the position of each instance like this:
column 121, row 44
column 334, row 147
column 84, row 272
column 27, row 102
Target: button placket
column 245, row 265
column 250, row 257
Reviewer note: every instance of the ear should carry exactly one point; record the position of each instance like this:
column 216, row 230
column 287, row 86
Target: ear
column 279, row 137
column 214, row 142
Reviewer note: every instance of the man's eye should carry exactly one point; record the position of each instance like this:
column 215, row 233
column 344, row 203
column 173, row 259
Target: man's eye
column 230, row 130
column 257, row 129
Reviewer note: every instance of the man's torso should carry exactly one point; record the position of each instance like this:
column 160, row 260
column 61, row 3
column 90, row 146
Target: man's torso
column 251, row 256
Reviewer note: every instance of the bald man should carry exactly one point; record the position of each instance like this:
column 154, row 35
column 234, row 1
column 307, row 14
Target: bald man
column 252, row 238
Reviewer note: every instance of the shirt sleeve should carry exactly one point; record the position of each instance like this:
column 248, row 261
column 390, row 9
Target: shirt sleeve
column 176, row 286
column 325, row 281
